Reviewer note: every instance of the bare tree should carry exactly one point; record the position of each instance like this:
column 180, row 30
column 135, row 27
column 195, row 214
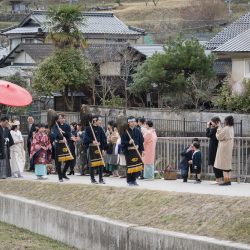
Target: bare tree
column 108, row 72
column 155, row 2
column 201, row 89
column 129, row 61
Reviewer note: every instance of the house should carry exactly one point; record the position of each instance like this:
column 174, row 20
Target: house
column 231, row 47
column 19, row 6
column 238, row 50
column 98, row 27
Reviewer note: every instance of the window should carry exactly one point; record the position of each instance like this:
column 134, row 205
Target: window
column 247, row 68
column 29, row 40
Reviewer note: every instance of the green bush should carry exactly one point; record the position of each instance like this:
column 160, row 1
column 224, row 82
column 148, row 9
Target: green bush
column 226, row 100
column 115, row 101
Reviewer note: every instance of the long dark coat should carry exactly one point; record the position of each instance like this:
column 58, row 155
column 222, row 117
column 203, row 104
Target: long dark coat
column 213, row 145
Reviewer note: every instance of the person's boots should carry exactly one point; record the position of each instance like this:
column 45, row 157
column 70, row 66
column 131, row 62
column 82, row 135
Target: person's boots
column 227, row 182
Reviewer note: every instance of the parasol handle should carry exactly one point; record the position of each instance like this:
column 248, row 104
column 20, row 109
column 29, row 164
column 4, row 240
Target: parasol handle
column 134, row 145
column 96, row 140
column 66, row 144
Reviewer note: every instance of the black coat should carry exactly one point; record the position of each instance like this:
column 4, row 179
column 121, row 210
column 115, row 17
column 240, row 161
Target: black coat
column 6, row 134
column 186, row 156
column 2, row 141
column 30, row 136
column 213, row 145
column 99, row 134
column 136, row 135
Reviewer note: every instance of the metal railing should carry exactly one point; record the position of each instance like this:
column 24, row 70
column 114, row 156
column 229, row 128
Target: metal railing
column 163, row 127
column 168, row 151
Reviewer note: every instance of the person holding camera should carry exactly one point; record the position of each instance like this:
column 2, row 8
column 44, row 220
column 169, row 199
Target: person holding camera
column 211, row 131
column 224, row 155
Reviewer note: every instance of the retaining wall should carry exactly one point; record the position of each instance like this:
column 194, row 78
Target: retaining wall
column 91, row 232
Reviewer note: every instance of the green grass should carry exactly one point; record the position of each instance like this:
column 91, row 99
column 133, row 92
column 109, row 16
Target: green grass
column 12, row 237
column 220, row 217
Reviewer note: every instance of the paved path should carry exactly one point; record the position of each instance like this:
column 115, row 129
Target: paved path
column 206, row 187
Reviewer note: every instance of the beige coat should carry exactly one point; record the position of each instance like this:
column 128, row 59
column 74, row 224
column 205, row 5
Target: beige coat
column 224, row 153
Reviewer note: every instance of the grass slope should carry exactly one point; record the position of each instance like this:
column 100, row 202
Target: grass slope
column 220, row 217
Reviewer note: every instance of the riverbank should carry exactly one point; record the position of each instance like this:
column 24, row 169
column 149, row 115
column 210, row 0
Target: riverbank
column 220, row 217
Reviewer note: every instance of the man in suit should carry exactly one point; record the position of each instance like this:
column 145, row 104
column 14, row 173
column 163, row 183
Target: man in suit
column 31, row 130
column 6, row 141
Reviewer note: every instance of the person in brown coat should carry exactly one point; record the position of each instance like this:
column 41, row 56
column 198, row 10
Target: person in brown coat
column 224, row 154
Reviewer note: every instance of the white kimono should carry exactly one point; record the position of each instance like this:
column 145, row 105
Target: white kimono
column 17, row 153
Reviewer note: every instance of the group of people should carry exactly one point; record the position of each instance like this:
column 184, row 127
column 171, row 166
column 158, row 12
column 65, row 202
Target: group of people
column 100, row 152
column 91, row 148
column 220, row 152
column 12, row 154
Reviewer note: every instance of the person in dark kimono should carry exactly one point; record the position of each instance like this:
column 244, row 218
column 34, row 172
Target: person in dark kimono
column 132, row 144
column 74, row 138
column 5, row 144
column 94, row 155
column 211, row 130
column 196, row 162
column 31, row 130
column 81, row 150
column 59, row 135
column 184, row 164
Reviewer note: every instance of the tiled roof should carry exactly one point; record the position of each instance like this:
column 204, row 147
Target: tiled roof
column 231, row 31
column 22, row 30
column 37, row 51
column 240, row 43
column 222, row 67
column 10, row 71
column 95, row 23
column 149, row 50
column 98, row 53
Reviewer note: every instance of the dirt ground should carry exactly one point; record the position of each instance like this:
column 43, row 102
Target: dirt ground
column 220, row 217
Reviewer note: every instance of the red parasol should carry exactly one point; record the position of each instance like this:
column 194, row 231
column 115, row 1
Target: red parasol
column 14, row 95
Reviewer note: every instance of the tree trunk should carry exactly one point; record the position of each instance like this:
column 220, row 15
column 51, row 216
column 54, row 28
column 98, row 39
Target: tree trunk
column 69, row 103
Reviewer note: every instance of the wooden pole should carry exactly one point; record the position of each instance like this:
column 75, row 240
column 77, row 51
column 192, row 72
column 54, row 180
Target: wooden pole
column 96, row 141
column 66, row 144
column 134, row 145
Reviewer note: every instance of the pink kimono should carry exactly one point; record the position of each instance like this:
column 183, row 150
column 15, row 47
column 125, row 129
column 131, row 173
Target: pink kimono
column 150, row 139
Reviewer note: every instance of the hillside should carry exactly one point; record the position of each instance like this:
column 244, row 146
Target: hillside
column 167, row 18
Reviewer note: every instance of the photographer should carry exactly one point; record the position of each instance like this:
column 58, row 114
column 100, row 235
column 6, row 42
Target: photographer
column 212, row 127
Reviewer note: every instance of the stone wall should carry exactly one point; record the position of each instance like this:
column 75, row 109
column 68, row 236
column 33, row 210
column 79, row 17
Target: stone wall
column 150, row 113
column 175, row 115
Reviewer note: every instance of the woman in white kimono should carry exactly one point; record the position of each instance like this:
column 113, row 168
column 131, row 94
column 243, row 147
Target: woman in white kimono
column 17, row 153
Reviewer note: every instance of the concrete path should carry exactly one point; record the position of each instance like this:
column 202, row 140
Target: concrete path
column 206, row 187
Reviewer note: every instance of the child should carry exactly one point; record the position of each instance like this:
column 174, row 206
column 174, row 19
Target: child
column 40, row 152
column 196, row 161
column 186, row 161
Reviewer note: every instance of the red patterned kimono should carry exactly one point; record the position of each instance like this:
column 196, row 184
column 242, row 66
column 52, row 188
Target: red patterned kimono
column 40, row 152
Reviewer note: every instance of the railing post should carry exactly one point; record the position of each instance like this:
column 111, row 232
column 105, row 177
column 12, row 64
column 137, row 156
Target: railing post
column 168, row 152
column 238, row 159
column 241, row 128
column 184, row 127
